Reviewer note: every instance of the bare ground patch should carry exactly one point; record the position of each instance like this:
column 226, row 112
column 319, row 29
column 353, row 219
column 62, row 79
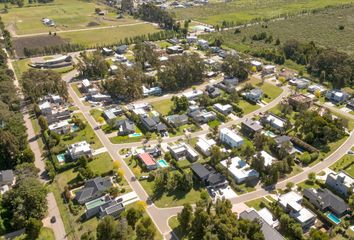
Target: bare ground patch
column 35, row 42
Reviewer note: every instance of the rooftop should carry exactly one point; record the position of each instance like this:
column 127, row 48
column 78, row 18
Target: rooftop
column 147, row 159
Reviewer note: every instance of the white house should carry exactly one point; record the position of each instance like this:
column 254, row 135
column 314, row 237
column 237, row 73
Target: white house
column 46, row 108
column 61, row 127
column 240, row 170
column 203, row 43
column 268, row 159
column 230, row 138
column 224, row 109
column 256, row 64
column 80, row 149
column 268, row 69
column 274, row 121
column 341, row 182
column 151, row 91
column 193, row 94
column 204, row 145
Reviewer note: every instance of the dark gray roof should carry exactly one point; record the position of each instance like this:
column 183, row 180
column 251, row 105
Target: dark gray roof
column 126, row 124
column 178, row 118
column 253, row 125
column 161, row 127
column 268, row 232
column 326, row 199
column 282, row 139
column 92, row 187
column 200, row 170
column 150, row 122
column 215, row 178
column 6, row 176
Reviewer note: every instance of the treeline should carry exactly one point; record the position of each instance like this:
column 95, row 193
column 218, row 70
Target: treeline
column 6, row 35
column 152, row 13
column 69, row 47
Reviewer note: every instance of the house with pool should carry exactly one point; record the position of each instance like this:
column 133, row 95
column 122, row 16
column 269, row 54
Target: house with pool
column 80, row 149
column 147, row 161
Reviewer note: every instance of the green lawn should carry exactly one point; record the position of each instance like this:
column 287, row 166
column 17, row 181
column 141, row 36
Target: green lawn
column 346, row 163
column 21, row 66
column 163, row 106
column 247, row 107
column 46, row 234
column 308, row 184
column 86, row 134
column 67, row 14
column 256, row 203
column 214, row 123
column 271, row 91
column 96, row 114
column 101, row 163
column 126, row 139
column 93, row 38
column 75, row 87
column 174, row 225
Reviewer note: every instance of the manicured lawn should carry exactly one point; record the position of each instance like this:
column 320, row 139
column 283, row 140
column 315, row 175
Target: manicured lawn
column 67, row 15
column 86, row 134
column 163, row 106
column 247, row 107
column 174, row 225
column 214, row 123
column 101, row 163
column 46, row 234
column 127, row 139
column 96, row 114
column 296, row 170
column 271, row 91
column 256, row 203
column 76, row 89
column 350, row 121
column 346, row 163
column 308, row 184
column 21, row 66
column 107, row 36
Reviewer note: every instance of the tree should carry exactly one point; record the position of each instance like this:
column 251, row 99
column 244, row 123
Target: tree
column 127, row 6
column 93, row 65
column 88, row 236
column 33, row 228
column 43, row 123
column 318, row 235
column 116, row 165
column 185, row 217
column 141, row 205
column 100, row 120
column 106, row 229
column 26, row 170
column 289, row 186
column 312, row 177
column 133, row 215
column 233, row 67
column 215, row 154
column 145, row 229
column 144, row 54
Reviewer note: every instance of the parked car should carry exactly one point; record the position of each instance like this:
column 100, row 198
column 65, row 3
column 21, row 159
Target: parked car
column 53, row 219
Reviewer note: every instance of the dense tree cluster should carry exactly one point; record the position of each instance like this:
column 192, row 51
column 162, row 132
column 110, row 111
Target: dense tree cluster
column 38, row 83
column 145, row 55
column 152, row 13
column 93, row 65
column 181, row 72
column 318, row 130
column 233, row 66
column 216, row 221
column 180, row 104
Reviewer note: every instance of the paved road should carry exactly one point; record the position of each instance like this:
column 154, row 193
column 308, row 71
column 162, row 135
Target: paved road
column 58, row 226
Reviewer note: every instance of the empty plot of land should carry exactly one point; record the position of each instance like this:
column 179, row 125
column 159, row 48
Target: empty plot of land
column 242, row 11
column 108, row 36
column 67, row 14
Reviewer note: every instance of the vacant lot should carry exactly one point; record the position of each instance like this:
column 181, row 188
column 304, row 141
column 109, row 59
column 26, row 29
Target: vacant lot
column 321, row 28
column 107, row 36
column 67, row 15
column 35, row 42
column 242, row 11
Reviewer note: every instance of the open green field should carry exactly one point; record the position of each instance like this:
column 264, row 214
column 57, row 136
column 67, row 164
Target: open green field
column 107, row 36
column 346, row 163
column 321, row 28
column 67, row 15
column 243, row 11
column 163, row 106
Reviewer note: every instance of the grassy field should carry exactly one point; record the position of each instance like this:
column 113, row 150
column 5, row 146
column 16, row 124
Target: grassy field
column 256, row 203
column 107, row 36
column 21, row 66
column 243, row 11
column 163, row 106
column 67, row 15
column 127, row 139
column 76, row 89
column 96, row 114
column 346, row 163
column 247, row 106
column 321, row 28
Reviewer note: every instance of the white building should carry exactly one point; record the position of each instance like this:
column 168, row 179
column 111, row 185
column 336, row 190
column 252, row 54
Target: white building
column 274, row 121
column 341, row 182
column 183, row 150
column 240, row 170
column 85, row 85
column 61, row 127
column 268, row 217
column 230, row 138
column 46, row 108
column 269, row 69
column 204, row 145
column 268, row 159
column 256, row 64
column 193, row 94
column 80, row 149
column 224, row 109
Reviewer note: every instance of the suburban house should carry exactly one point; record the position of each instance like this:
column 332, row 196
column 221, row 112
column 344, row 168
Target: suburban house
column 80, row 149
column 93, row 188
column 203, row 44
column 102, row 207
column 46, row 108
column 341, row 182
column 300, row 101
column 284, row 140
column 249, row 128
column 274, row 121
column 230, row 138
column 147, row 161
column 7, row 179
column 183, row 150
column 326, row 201
column 268, row 69
column 99, row 97
column 191, row 39
column 122, row 49
column 174, row 49
column 224, row 109
column 350, row 104
column 240, row 170
column 291, row 202
column 208, row 176
column 204, row 145
column 85, row 85
column 58, row 116
column 212, row 92
column 62, row 127
column 336, row 96
column 152, row 124
column 266, row 220
column 300, row 83
column 317, row 88
column 153, row 91
column 191, row 95
column 112, row 113
column 177, row 120
column 230, row 81
column 125, row 127
column 268, row 159
column 202, row 116
column 107, row 51
column 56, row 99
column 256, row 64
column 253, row 95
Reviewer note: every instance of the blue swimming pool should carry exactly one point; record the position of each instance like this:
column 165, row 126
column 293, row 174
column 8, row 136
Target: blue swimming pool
column 74, row 128
column 61, row 157
column 162, row 163
column 135, row 135
column 334, row 218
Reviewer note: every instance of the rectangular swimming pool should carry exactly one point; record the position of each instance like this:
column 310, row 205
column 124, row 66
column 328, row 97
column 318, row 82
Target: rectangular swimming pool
column 162, row 163
column 135, row 135
column 333, row 218
column 61, row 157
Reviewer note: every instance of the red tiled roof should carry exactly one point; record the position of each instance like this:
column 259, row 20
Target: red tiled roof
column 147, row 159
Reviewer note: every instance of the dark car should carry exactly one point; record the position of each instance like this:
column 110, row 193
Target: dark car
column 53, row 219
